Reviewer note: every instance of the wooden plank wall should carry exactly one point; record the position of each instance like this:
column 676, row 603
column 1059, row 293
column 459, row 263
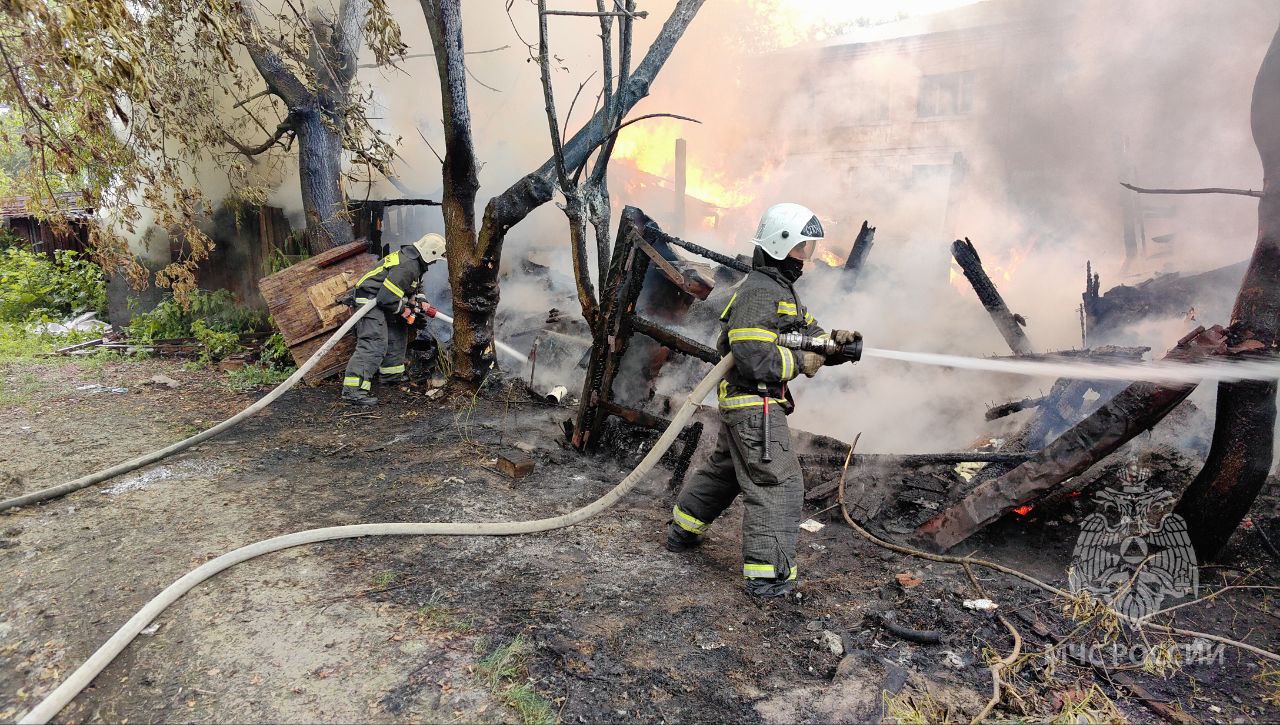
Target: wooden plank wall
column 294, row 307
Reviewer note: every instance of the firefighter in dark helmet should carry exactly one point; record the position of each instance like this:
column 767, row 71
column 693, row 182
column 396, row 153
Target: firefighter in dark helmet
column 755, row 392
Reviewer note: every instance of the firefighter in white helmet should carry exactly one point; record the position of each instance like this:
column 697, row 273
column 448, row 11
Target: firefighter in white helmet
column 382, row 336
column 769, row 480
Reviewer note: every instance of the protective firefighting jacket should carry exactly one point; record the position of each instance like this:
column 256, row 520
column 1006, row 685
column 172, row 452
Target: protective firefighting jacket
column 764, row 306
column 393, row 281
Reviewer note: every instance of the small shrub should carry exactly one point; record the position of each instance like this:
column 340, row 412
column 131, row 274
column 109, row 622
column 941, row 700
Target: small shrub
column 35, row 287
column 275, row 353
column 217, row 310
column 251, row 377
column 217, row 344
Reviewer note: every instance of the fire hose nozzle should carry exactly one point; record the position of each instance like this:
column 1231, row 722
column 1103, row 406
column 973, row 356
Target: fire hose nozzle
column 851, row 352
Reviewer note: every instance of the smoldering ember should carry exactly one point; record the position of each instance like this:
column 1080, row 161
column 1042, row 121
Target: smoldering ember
column 639, row 360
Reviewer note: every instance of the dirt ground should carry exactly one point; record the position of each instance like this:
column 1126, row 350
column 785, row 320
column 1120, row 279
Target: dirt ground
column 592, row 623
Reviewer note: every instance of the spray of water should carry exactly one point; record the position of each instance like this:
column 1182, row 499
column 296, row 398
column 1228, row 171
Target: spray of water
column 498, row 343
column 1157, row 372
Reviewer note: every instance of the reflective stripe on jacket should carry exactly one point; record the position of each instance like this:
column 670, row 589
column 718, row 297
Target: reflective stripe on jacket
column 396, row 277
column 762, row 308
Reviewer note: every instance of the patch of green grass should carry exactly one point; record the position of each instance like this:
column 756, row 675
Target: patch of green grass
column 20, row 345
column 17, row 387
column 437, row 615
column 505, row 671
column 250, row 377
column 17, row 343
column 384, row 579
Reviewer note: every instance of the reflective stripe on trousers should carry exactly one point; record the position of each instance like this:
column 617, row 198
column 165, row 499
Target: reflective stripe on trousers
column 763, row 571
column 687, row 522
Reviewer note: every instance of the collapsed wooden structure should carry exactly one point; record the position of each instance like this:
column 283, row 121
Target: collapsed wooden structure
column 303, row 302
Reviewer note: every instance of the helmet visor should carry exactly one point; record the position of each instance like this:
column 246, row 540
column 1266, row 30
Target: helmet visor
column 804, row 250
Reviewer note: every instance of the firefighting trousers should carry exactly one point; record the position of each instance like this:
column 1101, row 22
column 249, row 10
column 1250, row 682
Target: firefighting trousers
column 772, row 492
column 381, row 341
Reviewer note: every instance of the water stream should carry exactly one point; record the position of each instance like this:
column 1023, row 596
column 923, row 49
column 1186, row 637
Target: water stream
column 1162, row 371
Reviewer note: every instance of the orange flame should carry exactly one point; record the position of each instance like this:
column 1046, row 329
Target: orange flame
column 999, row 269
column 651, row 147
column 828, row 258
column 1023, row 510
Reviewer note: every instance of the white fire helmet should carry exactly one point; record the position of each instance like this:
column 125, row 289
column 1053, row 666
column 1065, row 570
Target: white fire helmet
column 784, row 226
column 430, row 247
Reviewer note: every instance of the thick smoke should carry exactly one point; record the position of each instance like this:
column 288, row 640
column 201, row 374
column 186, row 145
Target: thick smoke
column 1061, row 101
column 1066, row 101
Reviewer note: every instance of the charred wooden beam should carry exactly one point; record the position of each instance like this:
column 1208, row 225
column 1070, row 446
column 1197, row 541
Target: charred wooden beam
column 1240, row 455
column 691, row 436
column 699, row 250
column 859, row 251
column 673, row 340
column 967, row 257
column 635, row 417
column 692, row 285
column 1135, row 409
column 1004, row 409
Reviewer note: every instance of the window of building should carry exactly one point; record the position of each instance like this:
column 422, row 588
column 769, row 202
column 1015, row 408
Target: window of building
column 946, row 94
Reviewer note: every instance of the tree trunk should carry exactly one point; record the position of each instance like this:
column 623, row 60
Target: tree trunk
column 472, row 278
column 333, row 63
column 320, row 174
column 475, row 281
column 1241, row 453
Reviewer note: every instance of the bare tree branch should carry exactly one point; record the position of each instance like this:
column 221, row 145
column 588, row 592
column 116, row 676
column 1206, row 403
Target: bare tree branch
column 637, row 119
column 544, row 62
column 432, row 55
column 1206, row 190
column 252, row 151
column 346, row 40
column 573, row 206
column 574, row 102
column 254, row 97
column 584, row 14
column 477, row 80
column 428, row 143
column 280, row 80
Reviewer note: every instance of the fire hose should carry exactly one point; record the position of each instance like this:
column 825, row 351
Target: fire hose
column 63, row 489
column 83, row 675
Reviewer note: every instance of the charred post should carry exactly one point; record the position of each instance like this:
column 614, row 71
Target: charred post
column 859, row 251
column 702, row 251
column 1008, row 323
column 613, row 333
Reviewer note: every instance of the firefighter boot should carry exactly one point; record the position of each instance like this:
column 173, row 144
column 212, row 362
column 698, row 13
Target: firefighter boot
column 770, row 587
column 680, row 541
column 356, row 396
